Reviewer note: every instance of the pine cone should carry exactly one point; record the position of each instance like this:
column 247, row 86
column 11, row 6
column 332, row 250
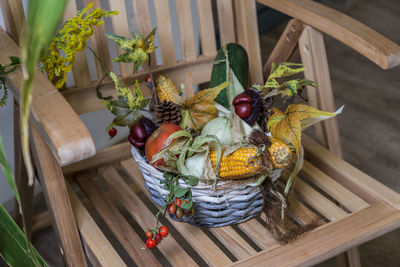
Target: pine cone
column 168, row 112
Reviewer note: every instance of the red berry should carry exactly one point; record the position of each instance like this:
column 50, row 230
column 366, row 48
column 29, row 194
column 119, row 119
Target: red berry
column 138, row 133
column 148, row 234
column 171, row 208
column 151, row 243
column 148, row 78
column 158, row 238
column 243, row 110
column 164, row 231
column 242, row 98
column 178, row 202
column 112, row 132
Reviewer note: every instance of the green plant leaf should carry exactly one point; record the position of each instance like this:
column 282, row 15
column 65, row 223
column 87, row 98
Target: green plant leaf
column 13, row 244
column 15, row 61
column 180, row 192
column 7, row 171
column 289, row 88
column 230, row 65
column 136, row 48
column 187, row 205
column 42, row 20
column 191, row 180
column 126, row 107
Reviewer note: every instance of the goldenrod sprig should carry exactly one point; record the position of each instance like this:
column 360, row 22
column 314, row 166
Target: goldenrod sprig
column 71, row 39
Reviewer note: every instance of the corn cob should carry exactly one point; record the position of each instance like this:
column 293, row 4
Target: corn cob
column 280, row 153
column 237, row 165
column 164, row 88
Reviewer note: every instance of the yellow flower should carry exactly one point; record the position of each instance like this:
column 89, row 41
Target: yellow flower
column 71, row 39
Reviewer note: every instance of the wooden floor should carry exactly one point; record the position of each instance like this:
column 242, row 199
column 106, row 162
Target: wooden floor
column 369, row 126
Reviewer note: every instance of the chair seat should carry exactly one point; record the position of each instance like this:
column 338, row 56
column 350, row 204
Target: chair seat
column 115, row 210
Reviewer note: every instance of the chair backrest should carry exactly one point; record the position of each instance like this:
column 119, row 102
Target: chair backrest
column 191, row 48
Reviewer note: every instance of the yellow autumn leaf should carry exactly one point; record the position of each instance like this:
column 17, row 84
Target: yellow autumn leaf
column 287, row 126
column 198, row 109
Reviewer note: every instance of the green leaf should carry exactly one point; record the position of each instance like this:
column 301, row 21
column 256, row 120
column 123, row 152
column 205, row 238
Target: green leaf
column 7, row 170
column 288, row 88
column 13, row 242
column 188, row 205
column 233, row 68
column 180, row 192
column 192, row 181
column 136, row 48
column 13, row 248
column 285, row 69
column 15, row 60
column 126, row 107
column 42, row 20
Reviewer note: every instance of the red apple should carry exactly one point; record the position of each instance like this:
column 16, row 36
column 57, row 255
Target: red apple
column 157, row 141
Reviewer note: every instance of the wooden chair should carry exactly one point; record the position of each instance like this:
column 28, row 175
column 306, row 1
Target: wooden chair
column 108, row 220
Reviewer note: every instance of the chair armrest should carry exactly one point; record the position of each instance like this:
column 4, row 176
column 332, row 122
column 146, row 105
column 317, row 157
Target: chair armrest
column 349, row 31
column 62, row 129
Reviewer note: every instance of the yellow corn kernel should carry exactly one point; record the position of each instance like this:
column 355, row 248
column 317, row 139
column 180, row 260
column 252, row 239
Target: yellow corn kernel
column 164, row 88
column 279, row 153
column 237, row 165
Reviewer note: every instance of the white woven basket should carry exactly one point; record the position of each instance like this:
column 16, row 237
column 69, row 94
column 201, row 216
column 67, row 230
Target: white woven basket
column 213, row 208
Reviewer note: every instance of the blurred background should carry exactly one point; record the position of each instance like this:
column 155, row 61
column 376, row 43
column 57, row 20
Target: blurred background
column 369, row 125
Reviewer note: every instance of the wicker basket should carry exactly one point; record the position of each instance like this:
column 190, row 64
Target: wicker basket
column 214, row 208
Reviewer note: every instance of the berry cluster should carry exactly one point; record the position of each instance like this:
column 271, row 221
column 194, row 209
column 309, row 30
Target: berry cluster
column 155, row 236
column 177, row 209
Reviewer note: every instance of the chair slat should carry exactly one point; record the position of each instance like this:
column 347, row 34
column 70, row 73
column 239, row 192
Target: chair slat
column 333, row 188
column 327, row 208
column 303, row 215
column 206, row 28
column 186, row 30
column 116, row 222
column 144, row 217
column 100, row 45
column 207, row 249
column 233, row 241
column 102, row 250
column 143, row 21
column 248, row 37
column 121, row 28
column 164, row 30
column 84, row 100
column 226, row 21
column 14, row 17
column 80, row 69
column 259, row 234
column 330, row 240
column 355, row 180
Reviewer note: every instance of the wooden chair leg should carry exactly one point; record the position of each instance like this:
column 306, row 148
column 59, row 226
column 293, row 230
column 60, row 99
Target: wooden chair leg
column 313, row 55
column 21, row 179
column 57, row 199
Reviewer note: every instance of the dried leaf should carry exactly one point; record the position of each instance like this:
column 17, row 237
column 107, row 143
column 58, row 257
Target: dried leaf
column 287, row 126
column 200, row 109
